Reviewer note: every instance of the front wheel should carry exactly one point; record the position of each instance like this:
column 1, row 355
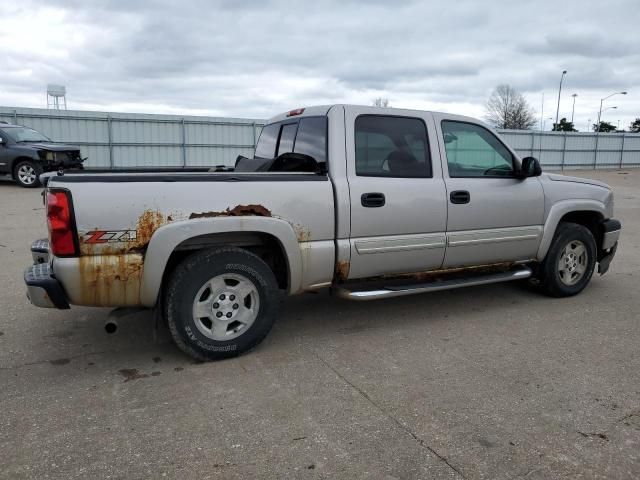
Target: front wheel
column 220, row 303
column 570, row 262
column 27, row 174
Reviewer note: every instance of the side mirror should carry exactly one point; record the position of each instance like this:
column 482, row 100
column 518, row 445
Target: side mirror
column 530, row 167
column 449, row 137
column 2, row 141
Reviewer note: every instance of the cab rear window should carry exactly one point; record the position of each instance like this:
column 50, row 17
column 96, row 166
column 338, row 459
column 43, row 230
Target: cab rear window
column 307, row 135
column 266, row 147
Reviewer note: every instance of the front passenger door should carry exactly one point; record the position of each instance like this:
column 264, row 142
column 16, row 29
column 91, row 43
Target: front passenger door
column 493, row 216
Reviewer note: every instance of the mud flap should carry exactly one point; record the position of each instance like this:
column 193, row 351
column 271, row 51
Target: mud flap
column 605, row 261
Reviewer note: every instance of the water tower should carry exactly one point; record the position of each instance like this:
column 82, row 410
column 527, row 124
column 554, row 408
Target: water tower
column 56, row 96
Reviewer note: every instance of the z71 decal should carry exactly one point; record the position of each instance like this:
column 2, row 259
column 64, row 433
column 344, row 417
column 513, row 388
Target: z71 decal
column 108, row 236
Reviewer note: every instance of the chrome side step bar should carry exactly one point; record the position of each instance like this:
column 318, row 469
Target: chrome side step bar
column 387, row 292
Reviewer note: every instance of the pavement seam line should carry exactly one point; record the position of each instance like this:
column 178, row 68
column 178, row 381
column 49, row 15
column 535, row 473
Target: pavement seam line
column 406, row 429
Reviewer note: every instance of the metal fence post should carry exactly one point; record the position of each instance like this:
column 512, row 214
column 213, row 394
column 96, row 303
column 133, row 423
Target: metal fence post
column 564, row 150
column 595, row 150
column 15, row 117
column 184, row 145
column 533, row 136
column 540, row 135
column 110, row 140
column 253, row 130
column 622, row 151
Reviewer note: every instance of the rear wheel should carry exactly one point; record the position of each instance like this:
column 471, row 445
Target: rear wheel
column 570, row 262
column 27, row 173
column 220, row 303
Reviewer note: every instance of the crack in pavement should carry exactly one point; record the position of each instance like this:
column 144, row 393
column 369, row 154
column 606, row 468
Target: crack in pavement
column 628, row 416
column 405, row 428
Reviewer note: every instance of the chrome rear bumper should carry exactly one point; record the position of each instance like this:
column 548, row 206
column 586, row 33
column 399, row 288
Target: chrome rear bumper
column 43, row 290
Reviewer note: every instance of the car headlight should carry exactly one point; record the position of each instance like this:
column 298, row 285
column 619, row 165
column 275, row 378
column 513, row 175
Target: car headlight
column 44, row 155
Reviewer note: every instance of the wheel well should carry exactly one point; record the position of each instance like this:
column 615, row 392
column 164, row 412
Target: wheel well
column 15, row 162
column 265, row 246
column 591, row 220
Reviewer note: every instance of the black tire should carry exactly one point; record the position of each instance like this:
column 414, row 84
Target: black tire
column 551, row 281
column 30, row 165
column 187, row 280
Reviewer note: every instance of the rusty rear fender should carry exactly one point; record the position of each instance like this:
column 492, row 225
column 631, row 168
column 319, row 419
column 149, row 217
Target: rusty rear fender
column 166, row 238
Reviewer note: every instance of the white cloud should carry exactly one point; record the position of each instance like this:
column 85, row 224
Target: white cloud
column 255, row 59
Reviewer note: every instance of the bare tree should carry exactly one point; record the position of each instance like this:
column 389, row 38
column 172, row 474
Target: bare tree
column 381, row 102
column 507, row 108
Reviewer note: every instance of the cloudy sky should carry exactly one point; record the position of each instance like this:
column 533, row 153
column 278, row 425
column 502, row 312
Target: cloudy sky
column 256, row 58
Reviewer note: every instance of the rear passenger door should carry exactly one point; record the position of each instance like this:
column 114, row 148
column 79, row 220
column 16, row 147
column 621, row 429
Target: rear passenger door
column 398, row 198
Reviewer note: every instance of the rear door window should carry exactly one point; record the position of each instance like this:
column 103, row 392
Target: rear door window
column 391, row 147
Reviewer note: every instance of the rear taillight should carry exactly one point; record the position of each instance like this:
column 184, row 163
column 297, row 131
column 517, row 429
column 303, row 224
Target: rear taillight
column 60, row 223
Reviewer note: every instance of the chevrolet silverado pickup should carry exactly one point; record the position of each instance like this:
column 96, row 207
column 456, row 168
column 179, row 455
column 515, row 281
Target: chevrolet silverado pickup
column 369, row 202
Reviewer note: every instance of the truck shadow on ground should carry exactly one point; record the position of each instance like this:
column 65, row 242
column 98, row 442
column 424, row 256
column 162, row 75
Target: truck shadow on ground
column 306, row 319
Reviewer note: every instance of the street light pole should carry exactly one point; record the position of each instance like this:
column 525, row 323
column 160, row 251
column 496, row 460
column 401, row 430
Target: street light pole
column 604, row 110
column 564, row 72
column 595, row 153
column 602, row 100
column 573, row 109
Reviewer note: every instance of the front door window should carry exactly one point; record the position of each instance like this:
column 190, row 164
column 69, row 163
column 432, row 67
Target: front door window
column 473, row 151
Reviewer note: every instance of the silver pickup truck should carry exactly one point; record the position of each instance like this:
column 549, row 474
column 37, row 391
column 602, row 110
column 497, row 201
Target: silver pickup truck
column 369, row 202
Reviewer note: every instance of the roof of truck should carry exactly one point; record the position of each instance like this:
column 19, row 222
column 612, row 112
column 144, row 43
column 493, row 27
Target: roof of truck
column 321, row 110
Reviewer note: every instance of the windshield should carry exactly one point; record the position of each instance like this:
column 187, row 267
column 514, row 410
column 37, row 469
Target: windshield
column 25, row 134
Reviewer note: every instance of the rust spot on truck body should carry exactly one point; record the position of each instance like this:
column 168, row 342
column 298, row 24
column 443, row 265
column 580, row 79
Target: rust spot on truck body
column 148, row 223
column 448, row 272
column 303, row 234
column 111, row 280
column 123, row 241
column 342, row 270
column 237, row 211
column 437, row 274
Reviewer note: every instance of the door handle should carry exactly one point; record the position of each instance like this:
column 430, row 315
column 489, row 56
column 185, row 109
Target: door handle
column 372, row 200
column 460, row 196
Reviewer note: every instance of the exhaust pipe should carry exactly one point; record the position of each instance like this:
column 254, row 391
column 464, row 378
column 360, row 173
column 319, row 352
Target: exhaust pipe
column 110, row 326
